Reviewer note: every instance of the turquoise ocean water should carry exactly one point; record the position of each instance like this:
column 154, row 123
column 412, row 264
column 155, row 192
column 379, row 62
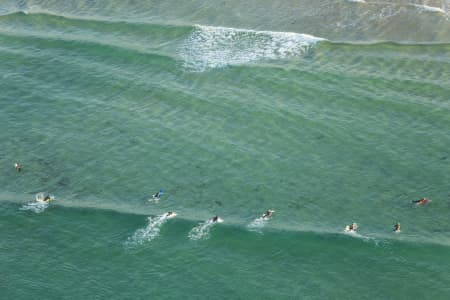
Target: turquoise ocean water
column 328, row 112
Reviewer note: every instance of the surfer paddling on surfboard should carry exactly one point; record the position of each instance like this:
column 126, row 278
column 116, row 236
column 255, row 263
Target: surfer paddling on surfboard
column 215, row 219
column 170, row 214
column 41, row 198
column 267, row 214
column 351, row 228
column 158, row 195
column 421, row 201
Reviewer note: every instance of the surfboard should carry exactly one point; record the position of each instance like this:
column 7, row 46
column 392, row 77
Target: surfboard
column 264, row 217
column 219, row 220
column 348, row 230
column 171, row 216
column 40, row 198
column 154, row 198
column 422, row 202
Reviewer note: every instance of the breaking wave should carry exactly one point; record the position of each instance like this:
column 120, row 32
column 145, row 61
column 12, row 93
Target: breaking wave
column 211, row 47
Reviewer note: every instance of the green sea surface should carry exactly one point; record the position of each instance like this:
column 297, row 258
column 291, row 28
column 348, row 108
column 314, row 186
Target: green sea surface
column 328, row 112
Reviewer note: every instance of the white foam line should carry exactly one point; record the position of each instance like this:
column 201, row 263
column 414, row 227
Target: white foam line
column 357, row 1
column 210, row 47
column 429, row 8
column 238, row 30
column 421, row 7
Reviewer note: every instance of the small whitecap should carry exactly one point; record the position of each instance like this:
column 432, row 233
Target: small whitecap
column 148, row 233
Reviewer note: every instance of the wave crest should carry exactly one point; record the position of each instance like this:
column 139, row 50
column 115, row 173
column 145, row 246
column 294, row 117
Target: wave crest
column 428, row 8
column 211, row 47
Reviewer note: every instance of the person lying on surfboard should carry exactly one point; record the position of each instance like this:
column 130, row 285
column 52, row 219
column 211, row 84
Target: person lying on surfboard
column 46, row 199
column 216, row 219
column 158, row 194
column 421, row 201
column 351, row 228
column 267, row 214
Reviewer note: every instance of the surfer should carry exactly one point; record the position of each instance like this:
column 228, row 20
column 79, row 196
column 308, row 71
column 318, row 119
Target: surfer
column 41, row 198
column 397, row 227
column 158, row 194
column 169, row 214
column 18, row 166
column 421, row 201
column 267, row 214
column 351, row 228
column 215, row 219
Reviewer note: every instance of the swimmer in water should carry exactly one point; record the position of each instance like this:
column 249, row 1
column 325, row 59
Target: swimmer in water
column 267, row 214
column 18, row 166
column 397, row 227
column 421, row 201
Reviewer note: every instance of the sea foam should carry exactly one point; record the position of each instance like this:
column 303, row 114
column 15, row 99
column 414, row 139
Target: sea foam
column 256, row 225
column 38, row 206
column 429, row 8
column 211, row 47
column 148, row 233
column 201, row 231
